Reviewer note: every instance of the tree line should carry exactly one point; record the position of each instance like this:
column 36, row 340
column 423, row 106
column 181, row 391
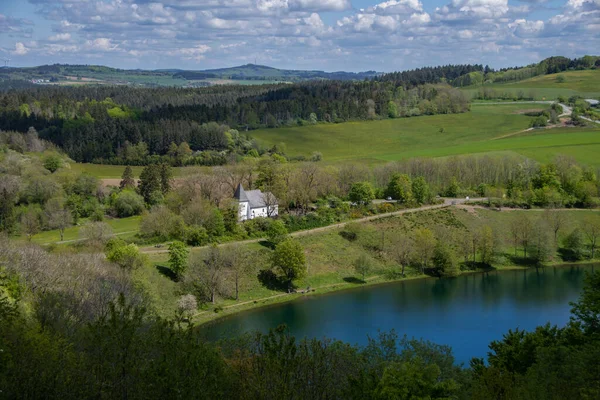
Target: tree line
column 93, row 124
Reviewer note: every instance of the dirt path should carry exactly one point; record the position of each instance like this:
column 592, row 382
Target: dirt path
column 447, row 203
column 81, row 240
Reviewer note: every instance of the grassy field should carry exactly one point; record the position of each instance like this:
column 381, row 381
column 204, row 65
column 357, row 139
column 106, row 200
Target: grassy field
column 330, row 256
column 397, row 139
column 124, row 227
column 547, row 87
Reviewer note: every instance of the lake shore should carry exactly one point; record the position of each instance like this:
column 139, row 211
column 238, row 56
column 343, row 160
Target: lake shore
column 209, row 315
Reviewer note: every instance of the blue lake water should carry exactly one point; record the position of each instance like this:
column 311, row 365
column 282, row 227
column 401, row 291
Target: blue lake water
column 466, row 313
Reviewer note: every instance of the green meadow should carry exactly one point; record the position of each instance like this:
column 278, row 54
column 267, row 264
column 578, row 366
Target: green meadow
column 123, row 227
column 478, row 131
column 549, row 87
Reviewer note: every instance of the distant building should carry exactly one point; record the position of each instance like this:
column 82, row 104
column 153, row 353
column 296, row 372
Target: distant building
column 254, row 203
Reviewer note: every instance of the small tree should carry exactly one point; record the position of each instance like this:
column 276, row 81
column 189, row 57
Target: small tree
column 574, row 244
column 361, row 193
column 127, row 256
column 30, row 223
column 127, row 180
column 187, row 304
column 277, row 232
column 52, row 162
column 444, row 261
column 236, row 260
column 289, row 259
column 591, row 230
column 178, row 258
column 96, row 234
column 58, row 216
column 211, row 272
column 401, row 250
column 421, row 191
column 424, row 246
column 362, row 265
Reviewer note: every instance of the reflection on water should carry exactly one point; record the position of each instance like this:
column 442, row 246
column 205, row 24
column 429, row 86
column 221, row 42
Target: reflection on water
column 466, row 313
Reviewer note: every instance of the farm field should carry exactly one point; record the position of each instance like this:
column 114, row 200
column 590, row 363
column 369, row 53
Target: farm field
column 546, row 87
column 397, row 139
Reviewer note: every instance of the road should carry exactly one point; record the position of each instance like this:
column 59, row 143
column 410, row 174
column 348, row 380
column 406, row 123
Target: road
column 445, row 204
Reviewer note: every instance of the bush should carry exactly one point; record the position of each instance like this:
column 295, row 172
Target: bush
column 163, row 224
column 127, row 204
column 277, row 232
column 196, row 236
column 127, row 256
column 539, row 122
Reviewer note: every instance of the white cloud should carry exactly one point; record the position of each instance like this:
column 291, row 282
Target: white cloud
column 319, row 5
column 60, row 37
column 20, row 49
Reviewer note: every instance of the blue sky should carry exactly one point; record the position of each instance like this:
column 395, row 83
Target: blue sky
column 331, row 35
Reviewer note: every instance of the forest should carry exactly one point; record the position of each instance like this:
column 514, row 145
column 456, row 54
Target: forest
column 93, row 124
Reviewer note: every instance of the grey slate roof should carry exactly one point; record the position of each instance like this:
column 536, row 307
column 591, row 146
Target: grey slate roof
column 240, row 193
column 255, row 198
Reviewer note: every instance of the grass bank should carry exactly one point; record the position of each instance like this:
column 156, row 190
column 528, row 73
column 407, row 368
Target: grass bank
column 330, row 258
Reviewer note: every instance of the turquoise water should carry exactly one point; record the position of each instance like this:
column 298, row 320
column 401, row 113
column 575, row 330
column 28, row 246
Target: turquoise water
column 466, row 313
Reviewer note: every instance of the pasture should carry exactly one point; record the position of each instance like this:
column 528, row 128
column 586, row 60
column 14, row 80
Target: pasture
column 549, row 87
column 478, row 131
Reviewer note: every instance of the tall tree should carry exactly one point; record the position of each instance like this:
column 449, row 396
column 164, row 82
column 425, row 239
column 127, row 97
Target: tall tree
column 424, row 247
column 127, row 179
column 150, row 183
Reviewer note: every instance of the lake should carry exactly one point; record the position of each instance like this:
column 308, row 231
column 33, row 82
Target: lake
column 466, row 313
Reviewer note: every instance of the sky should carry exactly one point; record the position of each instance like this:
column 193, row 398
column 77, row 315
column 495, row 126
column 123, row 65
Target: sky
column 330, row 35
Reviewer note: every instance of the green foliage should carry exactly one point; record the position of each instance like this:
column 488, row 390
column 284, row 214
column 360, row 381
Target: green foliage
column 574, row 244
column 7, row 211
column 288, row 257
column 453, row 188
column 400, row 188
column 150, row 183
column 178, row 258
column 127, row 203
column 361, row 193
column 277, row 232
column 444, row 260
column 215, row 224
column 52, row 162
column 127, row 179
column 421, row 191
column 412, row 380
column 586, row 311
column 127, row 256
column 196, row 236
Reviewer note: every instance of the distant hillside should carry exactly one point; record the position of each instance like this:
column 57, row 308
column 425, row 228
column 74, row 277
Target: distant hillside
column 95, row 74
column 262, row 72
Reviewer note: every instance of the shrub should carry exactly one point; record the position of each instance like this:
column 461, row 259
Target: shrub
column 127, row 256
column 196, row 236
column 127, row 204
column 277, row 232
